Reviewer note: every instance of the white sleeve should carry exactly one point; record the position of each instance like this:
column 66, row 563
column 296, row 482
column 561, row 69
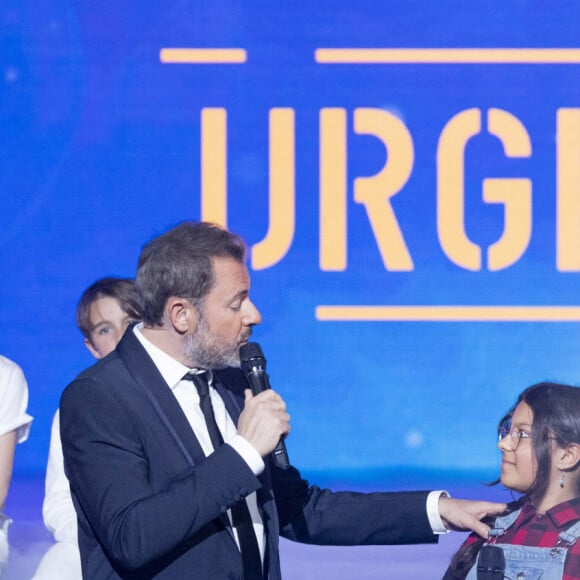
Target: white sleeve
column 13, row 400
column 248, row 453
column 58, row 510
column 435, row 520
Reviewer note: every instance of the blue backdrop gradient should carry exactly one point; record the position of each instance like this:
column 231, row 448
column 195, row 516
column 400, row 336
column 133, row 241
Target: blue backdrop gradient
column 100, row 151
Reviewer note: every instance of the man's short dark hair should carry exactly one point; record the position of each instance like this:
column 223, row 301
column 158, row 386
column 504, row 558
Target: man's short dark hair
column 180, row 263
column 122, row 289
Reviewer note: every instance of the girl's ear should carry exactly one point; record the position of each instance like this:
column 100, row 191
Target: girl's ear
column 569, row 457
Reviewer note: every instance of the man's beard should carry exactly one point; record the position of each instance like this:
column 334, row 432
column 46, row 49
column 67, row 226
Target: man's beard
column 207, row 351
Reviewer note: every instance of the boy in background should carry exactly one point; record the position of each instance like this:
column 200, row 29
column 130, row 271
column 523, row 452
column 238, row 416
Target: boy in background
column 105, row 310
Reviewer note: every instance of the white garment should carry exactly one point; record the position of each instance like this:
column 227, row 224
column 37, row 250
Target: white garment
column 62, row 560
column 13, row 400
column 13, row 417
column 58, row 512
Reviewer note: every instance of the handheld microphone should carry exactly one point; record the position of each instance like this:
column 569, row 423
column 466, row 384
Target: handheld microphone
column 254, row 366
column 491, row 563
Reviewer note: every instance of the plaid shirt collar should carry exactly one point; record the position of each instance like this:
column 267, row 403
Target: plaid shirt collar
column 561, row 515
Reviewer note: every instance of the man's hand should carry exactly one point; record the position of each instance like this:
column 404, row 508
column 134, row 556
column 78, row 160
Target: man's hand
column 264, row 420
column 463, row 514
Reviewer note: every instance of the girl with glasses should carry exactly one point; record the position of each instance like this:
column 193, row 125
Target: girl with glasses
column 539, row 534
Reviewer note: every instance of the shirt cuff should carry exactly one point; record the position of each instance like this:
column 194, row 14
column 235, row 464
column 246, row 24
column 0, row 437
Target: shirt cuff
column 248, row 453
column 435, row 520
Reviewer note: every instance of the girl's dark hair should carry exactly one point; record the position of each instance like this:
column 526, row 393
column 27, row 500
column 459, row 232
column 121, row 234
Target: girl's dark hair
column 556, row 415
column 556, row 411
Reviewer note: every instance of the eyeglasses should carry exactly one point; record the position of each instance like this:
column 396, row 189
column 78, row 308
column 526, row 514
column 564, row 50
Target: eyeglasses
column 516, row 435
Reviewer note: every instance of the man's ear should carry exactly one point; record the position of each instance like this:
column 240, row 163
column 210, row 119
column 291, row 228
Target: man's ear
column 92, row 349
column 181, row 313
column 569, row 457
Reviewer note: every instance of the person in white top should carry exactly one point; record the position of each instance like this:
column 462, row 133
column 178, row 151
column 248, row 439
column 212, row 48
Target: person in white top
column 105, row 310
column 14, row 428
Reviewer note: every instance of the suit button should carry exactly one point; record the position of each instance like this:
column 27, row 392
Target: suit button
column 243, row 492
column 224, row 509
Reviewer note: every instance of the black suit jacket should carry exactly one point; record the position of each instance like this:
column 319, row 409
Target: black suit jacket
column 151, row 505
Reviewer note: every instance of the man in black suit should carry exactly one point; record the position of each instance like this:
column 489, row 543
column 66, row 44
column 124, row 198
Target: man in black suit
column 160, row 490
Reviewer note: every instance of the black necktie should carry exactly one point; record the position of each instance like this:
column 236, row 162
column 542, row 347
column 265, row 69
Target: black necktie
column 240, row 512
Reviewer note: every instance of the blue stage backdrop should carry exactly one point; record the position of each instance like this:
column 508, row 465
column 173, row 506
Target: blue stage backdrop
column 406, row 176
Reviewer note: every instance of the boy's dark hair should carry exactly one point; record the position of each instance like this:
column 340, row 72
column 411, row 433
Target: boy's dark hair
column 122, row 289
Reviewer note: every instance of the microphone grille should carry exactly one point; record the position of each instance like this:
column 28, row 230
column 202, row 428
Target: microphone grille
column 249, row 351
column 491, row 563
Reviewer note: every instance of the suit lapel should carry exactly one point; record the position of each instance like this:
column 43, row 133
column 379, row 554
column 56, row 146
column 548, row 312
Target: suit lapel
column 230, row 384
column 150, row 381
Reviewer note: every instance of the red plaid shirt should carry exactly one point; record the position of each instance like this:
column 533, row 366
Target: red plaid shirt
column 541, row 530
